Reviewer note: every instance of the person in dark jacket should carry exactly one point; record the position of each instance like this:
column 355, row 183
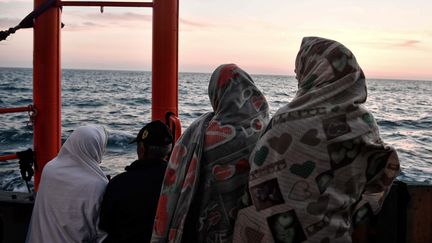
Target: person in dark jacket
column 130, row 200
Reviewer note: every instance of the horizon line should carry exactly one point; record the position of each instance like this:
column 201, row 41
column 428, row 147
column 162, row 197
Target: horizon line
column 200, row 72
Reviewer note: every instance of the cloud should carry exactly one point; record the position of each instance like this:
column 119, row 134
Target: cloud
column 123, row 17
column 81, row 21
column 91, row 24
column 409, row 43
column 135, row 17
column 192, row 23
column 84, row 26
column 87, row 21
column 9, row 22
column 395, row 44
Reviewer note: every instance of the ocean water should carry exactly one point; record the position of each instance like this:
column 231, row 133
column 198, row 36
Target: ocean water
column 120, row 100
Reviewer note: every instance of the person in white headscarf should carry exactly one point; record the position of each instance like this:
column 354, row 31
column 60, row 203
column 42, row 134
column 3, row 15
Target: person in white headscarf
column 71, row 190
column 320, row 167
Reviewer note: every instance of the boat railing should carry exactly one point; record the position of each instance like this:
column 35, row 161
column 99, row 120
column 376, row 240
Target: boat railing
column 31, row 112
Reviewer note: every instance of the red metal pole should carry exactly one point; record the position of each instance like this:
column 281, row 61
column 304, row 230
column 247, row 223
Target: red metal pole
column 15, row 109
column 104, row 4
column 46, row 87
column 165, row 59
column 8, row 157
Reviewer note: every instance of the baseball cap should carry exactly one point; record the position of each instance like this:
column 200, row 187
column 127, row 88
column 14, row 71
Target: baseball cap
column 155, row 133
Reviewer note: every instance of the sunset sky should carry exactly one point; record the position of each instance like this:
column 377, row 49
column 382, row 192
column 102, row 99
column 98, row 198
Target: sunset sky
column 390, row 38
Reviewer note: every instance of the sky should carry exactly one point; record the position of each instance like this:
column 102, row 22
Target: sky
column 390, row 38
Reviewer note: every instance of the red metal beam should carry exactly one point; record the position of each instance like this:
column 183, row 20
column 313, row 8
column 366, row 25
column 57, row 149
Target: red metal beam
column 174, row 121
column 15, row 109
column 46, row 87
column 165, row 59
column 104, row 4
column 8, row 157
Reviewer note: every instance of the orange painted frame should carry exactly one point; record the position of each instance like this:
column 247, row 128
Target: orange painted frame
column 165, row 60
column 47, row 74
column 46, row 87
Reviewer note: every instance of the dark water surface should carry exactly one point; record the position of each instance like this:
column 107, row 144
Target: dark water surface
column 120, row 100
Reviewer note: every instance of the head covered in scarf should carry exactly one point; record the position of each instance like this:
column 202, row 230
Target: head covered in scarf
column 327, row 74
column 87, row 144
column 208, row 169
column 71, row 190
column 321, row 159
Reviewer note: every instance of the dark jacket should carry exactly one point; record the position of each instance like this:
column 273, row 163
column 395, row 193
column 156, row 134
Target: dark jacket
column 130, row 202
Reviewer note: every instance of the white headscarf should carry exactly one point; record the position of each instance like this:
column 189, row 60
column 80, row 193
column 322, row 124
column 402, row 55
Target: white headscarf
column 70, row 191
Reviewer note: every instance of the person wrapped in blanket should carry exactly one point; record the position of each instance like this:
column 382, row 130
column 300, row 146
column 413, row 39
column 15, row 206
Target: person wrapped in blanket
column 208, row 169
column 320, row 165
column 70, row 192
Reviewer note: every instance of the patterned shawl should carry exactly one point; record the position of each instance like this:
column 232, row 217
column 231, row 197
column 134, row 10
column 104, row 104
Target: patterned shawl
column 208, row 169
column 320, row 165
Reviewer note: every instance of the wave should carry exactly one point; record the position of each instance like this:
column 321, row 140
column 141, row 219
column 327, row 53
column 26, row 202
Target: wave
column 12, row 181
column 119, row 141
column 16, row 136
column 421, row 123
column 121, row 102
column 14, row 89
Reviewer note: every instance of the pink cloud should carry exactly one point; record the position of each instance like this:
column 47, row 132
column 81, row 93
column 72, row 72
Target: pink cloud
column 394, row 43
column 194, row 23
column 85, row 26
column 104, row 20
column 86, row 22
column 409, row 43
column 123, row 17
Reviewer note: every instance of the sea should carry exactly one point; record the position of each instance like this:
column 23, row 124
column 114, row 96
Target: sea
column 121, row 101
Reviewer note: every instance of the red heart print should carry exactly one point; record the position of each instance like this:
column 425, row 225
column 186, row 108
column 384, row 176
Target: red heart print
column 190, row 175
column 257, row 125
column 253, row 235
column 172, row 234
column 242, row 166
column 257, row 102
column 170, row 177
column 161, row 215
column 214, row 217
column 177, row 155
column 217, row 134
column 226, row 74
column 223, row 172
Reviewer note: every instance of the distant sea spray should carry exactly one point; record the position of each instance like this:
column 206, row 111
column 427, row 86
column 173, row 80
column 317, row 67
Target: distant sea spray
column 121, row 101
